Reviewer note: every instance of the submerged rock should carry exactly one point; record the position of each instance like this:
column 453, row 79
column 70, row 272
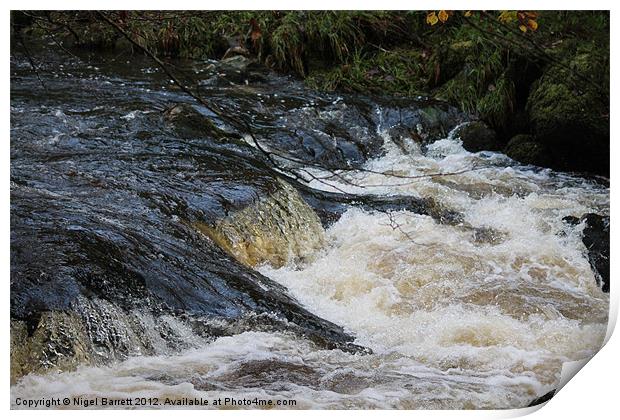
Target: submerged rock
column 187, row 122
column 63, row 340
column 407, row 139
column 235, row 60
column 235, row 68
column 58, row 342
column 596, row 239
column 277, row 229
column 330, row 206
column 234, row 51
column 487, row 235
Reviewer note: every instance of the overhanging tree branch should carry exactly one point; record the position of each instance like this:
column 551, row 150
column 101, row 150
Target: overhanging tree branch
column 244, row 126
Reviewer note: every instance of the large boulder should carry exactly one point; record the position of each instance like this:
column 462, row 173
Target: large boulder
column 131, row 275
column 424, row 120
column 571, row 117
column 596, row 239
column 477, row 136
column 525, row 149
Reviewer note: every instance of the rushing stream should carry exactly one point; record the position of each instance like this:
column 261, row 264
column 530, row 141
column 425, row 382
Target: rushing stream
column 112, row 218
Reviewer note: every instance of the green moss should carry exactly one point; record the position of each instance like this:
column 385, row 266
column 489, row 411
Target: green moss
column 556, row 106
column 525, row 149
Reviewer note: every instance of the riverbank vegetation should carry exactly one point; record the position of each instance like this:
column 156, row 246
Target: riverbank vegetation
column 539, row 80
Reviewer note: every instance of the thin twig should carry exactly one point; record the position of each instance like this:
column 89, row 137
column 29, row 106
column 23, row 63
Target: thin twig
column 397, row 226
column 210, row 106
column 30, row 60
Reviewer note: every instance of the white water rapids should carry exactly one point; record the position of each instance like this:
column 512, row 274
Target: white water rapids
column 456, row 317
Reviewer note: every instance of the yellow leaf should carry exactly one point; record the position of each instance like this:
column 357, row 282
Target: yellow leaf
column 532, row 24
column 507, row 16
column 523, row 28
column 467, row 13
column 431, row 18
column 443, row 16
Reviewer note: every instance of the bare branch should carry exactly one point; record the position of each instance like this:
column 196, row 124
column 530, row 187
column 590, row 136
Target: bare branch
column 30, row 59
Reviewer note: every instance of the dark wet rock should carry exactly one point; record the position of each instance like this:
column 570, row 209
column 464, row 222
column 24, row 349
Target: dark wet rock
column 525, row 149
column 330, row 206
column 337, row 135
column 407, row 139
column 542, row 399
column 347, row 131
column 572, row 122
column 187, row 122
column 423, row 120
column 234, row 51
column 477, row 136
column 596, row 239
column 102, row 271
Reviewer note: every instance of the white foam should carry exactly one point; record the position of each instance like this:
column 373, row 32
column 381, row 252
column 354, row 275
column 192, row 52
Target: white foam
column 453, row 322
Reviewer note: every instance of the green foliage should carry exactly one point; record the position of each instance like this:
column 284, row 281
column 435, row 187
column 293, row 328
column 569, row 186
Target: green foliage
column 287, row 44
column 478, row 76
column 476, row 61
column 400, row 72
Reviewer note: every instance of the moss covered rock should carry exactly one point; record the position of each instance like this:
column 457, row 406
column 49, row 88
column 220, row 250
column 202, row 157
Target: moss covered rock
column 525, row 149
column 477, row 136
column 571, row 117
column 277, row 229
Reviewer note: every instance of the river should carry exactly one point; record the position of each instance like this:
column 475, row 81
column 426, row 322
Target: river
column 479, row 311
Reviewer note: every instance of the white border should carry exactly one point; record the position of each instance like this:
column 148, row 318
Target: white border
column 593, row 393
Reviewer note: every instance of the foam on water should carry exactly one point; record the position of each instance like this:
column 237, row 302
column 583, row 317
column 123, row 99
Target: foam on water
column 476, row 315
